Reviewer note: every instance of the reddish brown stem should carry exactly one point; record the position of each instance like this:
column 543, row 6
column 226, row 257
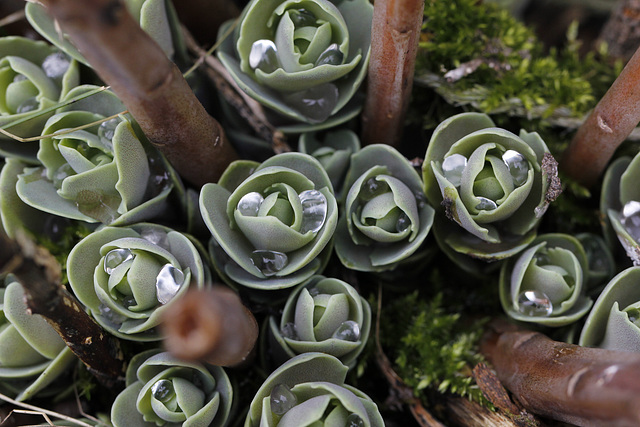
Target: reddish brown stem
column 579, row 385
column 39, row 274
column 394, row 43
column 613, row 119
column 148, row 83
column 210, row 325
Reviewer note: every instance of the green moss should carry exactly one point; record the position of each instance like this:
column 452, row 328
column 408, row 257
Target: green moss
column 512, row 74
column 62, row 245
column 435, row 352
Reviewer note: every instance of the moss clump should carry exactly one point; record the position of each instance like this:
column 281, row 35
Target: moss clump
column 501, row 67
column 435, row 352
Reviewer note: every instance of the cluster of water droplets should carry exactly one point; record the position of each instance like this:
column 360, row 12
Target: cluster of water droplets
column 162, row 390
column 107, row 130
column 282, row 399
column 630, row 219
column 454, row 165
column 314, row 214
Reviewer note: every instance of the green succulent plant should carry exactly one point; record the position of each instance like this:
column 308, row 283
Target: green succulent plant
column 546, row 283
column 103, row 173
column 308, row 390
column 385, row 218
column 323, row 315
column 614, row 320
column 127, row 276
column 272, row 223
column 154, row 17
column 620, row 203
column 165, row 391
column 33, row 77
column 32, row 354
column 492, row 185
column 305, row 60
column 333, row 149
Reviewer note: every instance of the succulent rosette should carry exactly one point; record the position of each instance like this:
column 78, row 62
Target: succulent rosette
column 310, row 390
column 386, row 217
column 333, row 149
column 620, row 203
column 272, row 223
column 33, row 77
column 323, row 315
column 304, row 59
column 165, row 391
column 127, row 276
column 493, row 186
column 614, row 320
column 546, row 283
column 32, row 354
column 104, row 173
column 155, row 18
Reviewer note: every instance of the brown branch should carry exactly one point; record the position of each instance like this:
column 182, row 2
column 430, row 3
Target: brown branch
column 621, row 33
column 394, row 43
column 39, row 274
column 151, row 87
column 566, row 382
column 210, row 325
column 612, row 120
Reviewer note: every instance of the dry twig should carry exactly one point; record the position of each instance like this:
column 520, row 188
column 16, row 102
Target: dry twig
column 151, row 87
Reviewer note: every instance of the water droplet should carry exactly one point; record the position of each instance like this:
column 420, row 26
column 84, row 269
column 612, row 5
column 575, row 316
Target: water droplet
column 269, row 262
column 162, row 390
column 19, row 77
column 249, row 204
column 634, row 315
column 313, row 291
column 535, row 304
column 372, row 188
column 289, row 331
column 27, row 105
column 282, row 399
column 518, row 166
column 107, row 129
column 486, row 204
column 101, row 207
column 348, row 331
column 61, row 173
column 115, row 257
column 302, row 18
column 403, row 222
column 129, row 301
column 542, row 258
column 331, row 56
column 264, row 55
column 421, row 199
column 631, row 219
column 155, row 236
column 315, row 103
column 55, row 227
column 114, row 319
column 452, row 168
column 354, row 420
column 168, row 283
column 55, row 65
column 314, row 210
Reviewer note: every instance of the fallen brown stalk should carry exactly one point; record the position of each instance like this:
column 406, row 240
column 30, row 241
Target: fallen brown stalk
column 566, row 382
column 148, row 83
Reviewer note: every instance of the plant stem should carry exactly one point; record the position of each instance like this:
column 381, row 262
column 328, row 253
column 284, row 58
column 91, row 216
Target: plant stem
column 39, row 274
column 148, row 83
column 394, row 43
column 612, row 120
column 578, row 385
column 210, row 325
